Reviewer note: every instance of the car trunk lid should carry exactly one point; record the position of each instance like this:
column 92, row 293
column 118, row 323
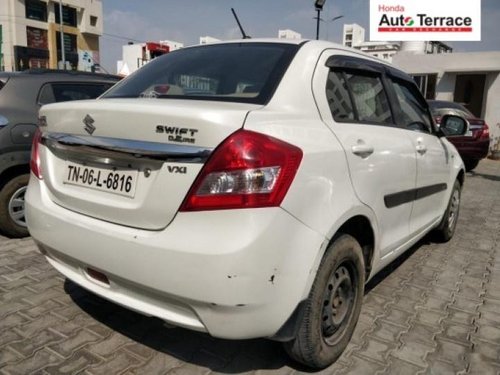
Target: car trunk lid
column 131, row 161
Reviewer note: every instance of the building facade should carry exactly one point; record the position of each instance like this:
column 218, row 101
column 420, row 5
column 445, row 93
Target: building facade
column 354, row 36
column 135, row 56
column 208, row 39
column 288, row 34
column 31, row 34
column 428, row 47
column 469, row 78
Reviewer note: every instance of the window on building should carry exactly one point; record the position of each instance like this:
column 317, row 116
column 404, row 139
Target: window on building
column 426, row 83
column 386, row 56
column 36, row 63
column 69, row 42
column 348, row 44
column 36, row 10
column 68, row 14
column 30, row 58
column 70, row 49
column 93, row 21
column 348, row 37
column 37, row 38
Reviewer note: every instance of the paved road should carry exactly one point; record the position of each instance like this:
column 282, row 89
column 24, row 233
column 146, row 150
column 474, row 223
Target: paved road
column 436, row 311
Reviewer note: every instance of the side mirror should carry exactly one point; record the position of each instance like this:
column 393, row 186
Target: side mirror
column 452, row 125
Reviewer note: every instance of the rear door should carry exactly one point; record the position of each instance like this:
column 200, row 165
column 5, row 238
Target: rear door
column 433, row 159
column 353, row 102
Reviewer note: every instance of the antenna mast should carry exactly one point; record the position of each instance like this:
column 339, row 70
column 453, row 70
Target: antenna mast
column 245, row 36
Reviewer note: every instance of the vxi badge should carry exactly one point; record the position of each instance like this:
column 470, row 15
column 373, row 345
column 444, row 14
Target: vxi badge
column 425, row 20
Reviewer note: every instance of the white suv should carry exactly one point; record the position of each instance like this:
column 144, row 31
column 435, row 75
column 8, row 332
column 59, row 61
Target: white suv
column 244, row 189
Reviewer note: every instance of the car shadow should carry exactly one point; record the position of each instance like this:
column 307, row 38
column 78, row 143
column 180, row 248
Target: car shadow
column 200, row 349
column 396, row 263
column 197, row 348
column 485, row 176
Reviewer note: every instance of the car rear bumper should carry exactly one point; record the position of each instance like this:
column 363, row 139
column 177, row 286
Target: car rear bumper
column 234, row 274
column 473, row 150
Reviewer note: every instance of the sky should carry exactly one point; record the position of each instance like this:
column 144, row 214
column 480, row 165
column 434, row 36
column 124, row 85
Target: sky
column 186, row 20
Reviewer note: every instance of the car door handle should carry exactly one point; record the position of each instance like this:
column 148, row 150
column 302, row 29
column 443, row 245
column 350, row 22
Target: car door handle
column 362, row 150
column 421, row 148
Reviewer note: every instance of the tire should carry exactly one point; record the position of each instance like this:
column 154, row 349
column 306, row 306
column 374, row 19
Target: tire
column 470, row 164
column 446, row 228
column 333, row 306
column 12, row 221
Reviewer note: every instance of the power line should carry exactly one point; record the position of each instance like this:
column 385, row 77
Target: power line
column 123, row 38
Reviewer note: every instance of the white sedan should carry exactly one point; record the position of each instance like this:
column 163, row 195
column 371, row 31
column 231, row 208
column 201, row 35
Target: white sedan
column 245, row 189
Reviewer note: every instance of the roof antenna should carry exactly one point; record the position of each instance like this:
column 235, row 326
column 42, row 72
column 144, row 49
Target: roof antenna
column 245, row 36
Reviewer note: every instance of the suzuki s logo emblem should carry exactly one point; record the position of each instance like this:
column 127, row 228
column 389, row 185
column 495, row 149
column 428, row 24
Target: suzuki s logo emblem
column 89, row 124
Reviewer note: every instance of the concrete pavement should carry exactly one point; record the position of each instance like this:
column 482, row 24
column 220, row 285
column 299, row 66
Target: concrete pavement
column 435, row 311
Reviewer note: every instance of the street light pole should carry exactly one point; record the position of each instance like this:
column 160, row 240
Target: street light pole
column 332, row 20
column 61, row 31
column 318, row 4
column 317, row 23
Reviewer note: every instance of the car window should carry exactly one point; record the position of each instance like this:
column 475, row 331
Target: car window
column 370, row 98
column 338, row 97
column 63, row 92
column 358, row 96
column 241, row 72
column 414, row 113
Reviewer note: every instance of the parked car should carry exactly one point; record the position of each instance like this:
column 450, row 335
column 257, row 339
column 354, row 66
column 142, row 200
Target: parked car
column 21, row 95
column 245, row 189
column 473, row 146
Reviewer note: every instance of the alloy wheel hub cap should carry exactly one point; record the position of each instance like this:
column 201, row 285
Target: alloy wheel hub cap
column 16, row 207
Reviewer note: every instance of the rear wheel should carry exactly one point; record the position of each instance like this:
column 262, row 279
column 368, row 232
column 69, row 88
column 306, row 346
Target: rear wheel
column 446, row 229
column 12, row 220
column 470, row 164
column 333, row 306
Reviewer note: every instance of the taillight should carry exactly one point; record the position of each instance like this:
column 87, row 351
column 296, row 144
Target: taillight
column 247, row 170
column 485, row 134
column 35, row 154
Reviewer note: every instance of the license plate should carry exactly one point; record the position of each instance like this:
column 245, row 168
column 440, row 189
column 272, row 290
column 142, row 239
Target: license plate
column 121, row 182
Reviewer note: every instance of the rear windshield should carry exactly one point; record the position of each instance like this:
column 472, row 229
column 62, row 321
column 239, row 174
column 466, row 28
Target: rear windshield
column 236, row 72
